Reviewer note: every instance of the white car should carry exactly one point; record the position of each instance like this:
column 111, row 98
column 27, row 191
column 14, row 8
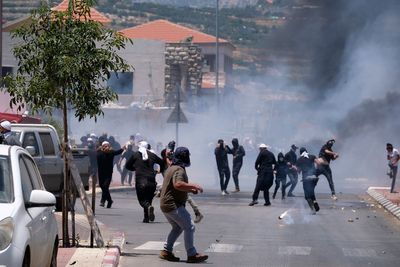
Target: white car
column 28, row 227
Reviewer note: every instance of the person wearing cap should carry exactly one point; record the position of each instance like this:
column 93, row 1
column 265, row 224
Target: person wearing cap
column 291, row 158
column 393, row 158
column 173, row 197
column 6, row 136
column 325, row 156
column 221, row 156
column 142, row 162
column 264, row 165
column 306, row 165
column 105, row 165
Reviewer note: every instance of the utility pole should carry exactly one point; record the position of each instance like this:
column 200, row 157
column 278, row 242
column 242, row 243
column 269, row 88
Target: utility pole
column 178, row 106
column 217, row 53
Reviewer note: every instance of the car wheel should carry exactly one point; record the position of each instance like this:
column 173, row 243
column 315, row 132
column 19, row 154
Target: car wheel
column 27, row 259
column 53, row 262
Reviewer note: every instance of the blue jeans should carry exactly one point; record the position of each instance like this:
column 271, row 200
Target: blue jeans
column 181, row 222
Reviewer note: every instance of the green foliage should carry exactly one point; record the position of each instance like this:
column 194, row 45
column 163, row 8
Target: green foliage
column 65, row 59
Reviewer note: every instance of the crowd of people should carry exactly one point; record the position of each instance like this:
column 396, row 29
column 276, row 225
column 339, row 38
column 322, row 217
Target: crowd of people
column 287, row 165
column 145, row 163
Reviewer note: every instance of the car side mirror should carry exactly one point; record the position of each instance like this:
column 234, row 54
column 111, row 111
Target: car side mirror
column 31, row 150
column 41, row 198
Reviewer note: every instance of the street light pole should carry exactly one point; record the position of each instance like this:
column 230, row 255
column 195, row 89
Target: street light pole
column 217, row 53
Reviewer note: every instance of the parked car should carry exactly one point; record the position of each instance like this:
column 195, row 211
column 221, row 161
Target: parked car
column 42, row 141
column 28, row 227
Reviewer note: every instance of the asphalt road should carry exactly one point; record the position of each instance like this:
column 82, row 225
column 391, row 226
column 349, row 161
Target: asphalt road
column 349, row 232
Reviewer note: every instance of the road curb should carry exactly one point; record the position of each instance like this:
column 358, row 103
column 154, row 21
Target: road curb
column 113, row 253
column 381, row 199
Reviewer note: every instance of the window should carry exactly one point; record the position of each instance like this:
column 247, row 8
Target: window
column 209, row 63
column 30, row 140
column 6, row 192
column 5, row 70
column 228, row 64
column 121, row 82
column 47, row 143
column 26, row 182
column 34, row 173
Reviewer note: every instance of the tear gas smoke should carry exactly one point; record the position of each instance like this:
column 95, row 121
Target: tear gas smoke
column 348, row 90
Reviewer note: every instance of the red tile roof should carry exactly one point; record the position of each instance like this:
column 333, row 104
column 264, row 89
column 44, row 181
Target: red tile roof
column 169, row 32
column 94, row 14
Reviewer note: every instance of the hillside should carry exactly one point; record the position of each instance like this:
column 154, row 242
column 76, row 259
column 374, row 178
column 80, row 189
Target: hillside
column 269, row 35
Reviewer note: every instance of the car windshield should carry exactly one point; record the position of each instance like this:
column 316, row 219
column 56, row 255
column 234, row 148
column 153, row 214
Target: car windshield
column 6, row 194
column 17, row 134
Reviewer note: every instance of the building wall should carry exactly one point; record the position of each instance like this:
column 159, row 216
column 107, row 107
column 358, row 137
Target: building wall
column 148, row 60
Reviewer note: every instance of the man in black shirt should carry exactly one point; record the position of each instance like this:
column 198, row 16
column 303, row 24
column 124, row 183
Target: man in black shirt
column 306, row 165
column 291, row 159
column 142, row 162
column 325, row 156
column 264, row 165
column 105, row 165
column 238, row 153
column 221, row 156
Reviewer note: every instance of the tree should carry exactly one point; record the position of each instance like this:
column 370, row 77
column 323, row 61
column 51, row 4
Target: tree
column 65, row 59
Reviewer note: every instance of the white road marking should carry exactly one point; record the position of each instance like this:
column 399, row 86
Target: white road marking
column 294, row 250
column 154, row 245
column 224, row 248
column 359, row 252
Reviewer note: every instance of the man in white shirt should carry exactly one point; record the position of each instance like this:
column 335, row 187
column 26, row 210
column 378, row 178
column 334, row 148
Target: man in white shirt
column 393, row 157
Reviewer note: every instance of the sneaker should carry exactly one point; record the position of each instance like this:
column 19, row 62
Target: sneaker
column 237, row 190
column 109, row 204
column 223, row 193
column 146, row 220
column 101, row 204
column 226, row 192
column 168, row 256
column 254, row 202
column 316, row 206
column 197, row 258
column 151, row 213
column 198, row 218
column 267, row 204
column 334, row 197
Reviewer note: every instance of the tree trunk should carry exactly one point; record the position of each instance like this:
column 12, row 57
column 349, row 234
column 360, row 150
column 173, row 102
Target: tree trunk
column 65, row 197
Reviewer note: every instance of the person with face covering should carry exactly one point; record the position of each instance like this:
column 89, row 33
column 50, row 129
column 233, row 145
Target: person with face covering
column 105, row 165
column 264, row 165
column 291, row 159
column 221, row 156
column 325, row 156
column 306, row 165
column 142, row 162
column 238, row 153
column 174, row 194
column 280, row 175
column 167, row 156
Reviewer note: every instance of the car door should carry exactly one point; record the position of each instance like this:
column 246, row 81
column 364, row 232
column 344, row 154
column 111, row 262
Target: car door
column 37, row 226
column 52, row 169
